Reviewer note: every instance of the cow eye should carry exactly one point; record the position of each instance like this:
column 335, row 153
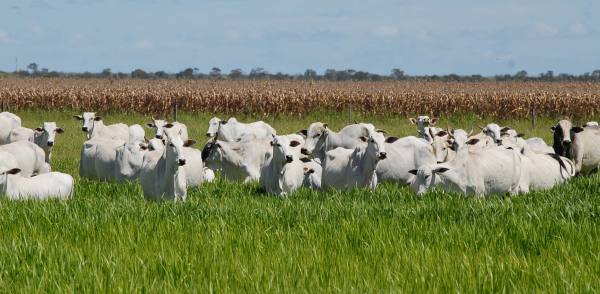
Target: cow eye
column 278, row 145
column 371, row 140
column 171, row 144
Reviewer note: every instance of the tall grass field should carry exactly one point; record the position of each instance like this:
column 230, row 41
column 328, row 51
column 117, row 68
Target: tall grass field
column 229, row 237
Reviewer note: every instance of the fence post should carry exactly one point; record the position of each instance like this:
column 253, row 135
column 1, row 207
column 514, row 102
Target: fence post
column 175, row 111
column 349, row 114
column 533, row 118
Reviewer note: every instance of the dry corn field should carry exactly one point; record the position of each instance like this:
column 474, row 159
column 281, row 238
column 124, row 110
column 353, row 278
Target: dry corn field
column 268, row 98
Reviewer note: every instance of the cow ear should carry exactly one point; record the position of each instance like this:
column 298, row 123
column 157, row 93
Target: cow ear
column 98, row 118
column 391, row 139
column 223, row 122
column 433, row 121
column 504, row 129
column 577, row 129
column 520, row 135
column 151, row 125
column 310, row 171
column 325, row 126
column 39, row 129
column 189, row 143
column 305, row 159
column 303, row 133
column 413, row 171
column 13, row 171
column 294, row 143
column 441, row 133
column 272, row 143
column 59, row 130
column 553, row 128
column 472, row 142
column 143, row 146
column 440, row 170
column 363, row 138
column 413, row 121
column 169, row 125
column 78, row 117
column 381, row 131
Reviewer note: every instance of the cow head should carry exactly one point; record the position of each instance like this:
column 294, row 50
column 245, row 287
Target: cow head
column 563, row 136
column 424, row 179
column 282, row 149
column 174, row 146
column 375, row 146
column 213, row 126
column 46, row 134
column 155, row 144
column 316, row 132
column 87, row 121
column 493, row 131
column 158, row 125
column 129, row 158
column 440, row 145
column 4, row 172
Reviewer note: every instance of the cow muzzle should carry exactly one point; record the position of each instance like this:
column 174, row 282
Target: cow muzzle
column 382, row 155
column 85, row 129
column 50, row 143
column 289, row 158
column 158, row 136
column 181, row 162
column 567, row 142
column 304, row 151
column 210, row 135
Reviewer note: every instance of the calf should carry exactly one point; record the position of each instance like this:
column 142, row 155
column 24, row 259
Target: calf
column 30, row 158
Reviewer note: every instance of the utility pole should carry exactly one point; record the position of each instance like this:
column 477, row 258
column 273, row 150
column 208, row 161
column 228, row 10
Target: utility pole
column 16, row 63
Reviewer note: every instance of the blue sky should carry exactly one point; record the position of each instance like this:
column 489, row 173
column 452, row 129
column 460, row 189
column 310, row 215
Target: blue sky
column 420, row 37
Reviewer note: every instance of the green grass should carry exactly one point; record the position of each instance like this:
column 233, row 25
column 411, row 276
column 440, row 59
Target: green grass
column 230, row 238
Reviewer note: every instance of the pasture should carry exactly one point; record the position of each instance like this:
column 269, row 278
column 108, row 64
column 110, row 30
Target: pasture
column 231, row 238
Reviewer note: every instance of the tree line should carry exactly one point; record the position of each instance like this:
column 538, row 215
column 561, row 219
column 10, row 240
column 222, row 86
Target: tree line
column 33, row 70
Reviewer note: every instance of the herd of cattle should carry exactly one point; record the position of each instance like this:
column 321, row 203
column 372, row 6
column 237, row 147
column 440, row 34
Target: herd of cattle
column 497, row 160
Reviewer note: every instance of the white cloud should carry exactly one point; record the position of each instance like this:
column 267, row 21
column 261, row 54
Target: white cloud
column 579, row 29
column 5, row 38
column 144, row 44
column 544, row 30
column 386, row 31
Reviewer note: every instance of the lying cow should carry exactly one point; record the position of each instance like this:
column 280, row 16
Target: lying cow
column 237, row 161
column 29, row 157
column 403, row 155
column 235, row 131
column 544, row 171
column 44, row 186
column 43, row 136
column 350, row 168
column 320, row 139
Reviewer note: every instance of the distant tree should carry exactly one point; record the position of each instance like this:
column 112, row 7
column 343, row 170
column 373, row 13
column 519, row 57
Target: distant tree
column 139, row 74
column 106, row 73
column 215, row 72
column 258, row 72
column 33, row 67
column 311, row 74
column 236, row 73
column 397, row 74
column 520, row 75
column 161, row 74
column 596, row 74
column 330, row 74
column 187, row 73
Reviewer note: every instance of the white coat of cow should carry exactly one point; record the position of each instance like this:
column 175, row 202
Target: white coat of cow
column 163, row 177
column 44, row 137
column 313, row 172
column 404, row 154
column 93, row 126
column 8, row 122
column 544, row 171
column 425, row 126
column 349, row 168
column 195, row 171
column 159, row 126
column 283, row 171
column 49, row 185
column 480, row 172
column 234, row 131
column 237, row 161
column 29, row 157
column 320, row 139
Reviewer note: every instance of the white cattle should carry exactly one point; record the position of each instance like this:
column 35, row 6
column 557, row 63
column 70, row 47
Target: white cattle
column 137, row 134
column 8, row 122
column 403, row 155
column 99, row 159
column 159, row 126
column 237, row 161
column 320, row 139
column 44, row 137
column 93, row 126
column 578, row 144
column 283, row 171
column 485, row 171
column 234, row 131
column 195, row 172
column 29, row 157
column 544, row 171
column 425, row 126
column 128, row 161
column 591, row 124
column 350, row 168
column 312, row 174
column 511, row 138
column 163, row 177
column 424, row 179
column 44, row 186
